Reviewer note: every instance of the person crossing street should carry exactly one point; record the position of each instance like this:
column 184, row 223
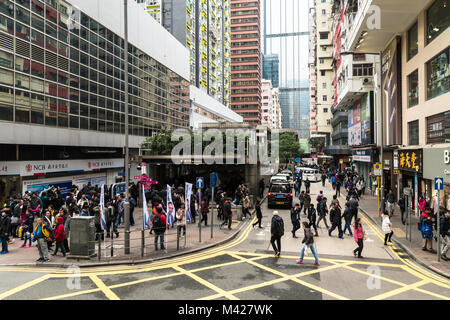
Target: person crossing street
column 295, row 219
column 277, row 231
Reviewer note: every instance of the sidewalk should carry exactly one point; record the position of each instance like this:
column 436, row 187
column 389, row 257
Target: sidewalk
column 27, row 256
column 413, row 247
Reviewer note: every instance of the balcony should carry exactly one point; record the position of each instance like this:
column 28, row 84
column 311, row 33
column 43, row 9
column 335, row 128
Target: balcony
column 339, row 134
column 396, row 16
column 339, row 116
column 353, row 89
column 337, row 150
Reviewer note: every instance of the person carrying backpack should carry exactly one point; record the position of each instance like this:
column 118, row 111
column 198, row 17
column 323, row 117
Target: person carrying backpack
column 227, row 214
column 59, row 237
column 308, row 242
column 159, row 226
column 277, row 231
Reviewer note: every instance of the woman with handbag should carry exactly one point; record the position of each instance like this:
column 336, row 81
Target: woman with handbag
column 359, row 235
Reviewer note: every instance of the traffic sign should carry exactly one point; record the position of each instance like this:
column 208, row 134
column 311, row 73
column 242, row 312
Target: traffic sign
column 213, row 179
column 199, row 182
column 377, row 170
column 298, row 160
column 438, row 183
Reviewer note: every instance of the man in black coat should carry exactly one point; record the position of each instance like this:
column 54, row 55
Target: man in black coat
column 295, row 219
column 5, row 225
column 335, row 217
column 277, row 231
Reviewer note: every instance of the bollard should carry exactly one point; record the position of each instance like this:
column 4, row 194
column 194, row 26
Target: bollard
column 99, row 246
column 112, row 245
column 142, row 242
column 178, row 238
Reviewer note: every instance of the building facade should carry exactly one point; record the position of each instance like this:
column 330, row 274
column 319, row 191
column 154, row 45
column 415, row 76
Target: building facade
column 271, row 69
column 285, row 34
column 324, row 70
column 413, row 101
column 204, row 28
column 246, row 67
column 62, row 101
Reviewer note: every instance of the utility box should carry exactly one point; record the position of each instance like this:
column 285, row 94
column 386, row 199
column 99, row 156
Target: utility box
column 82, row 238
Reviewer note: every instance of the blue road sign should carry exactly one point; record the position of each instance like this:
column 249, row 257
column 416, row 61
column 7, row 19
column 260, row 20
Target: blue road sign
column 213, row 179
column 438, row 183
column 298, row 160
column 199, row 182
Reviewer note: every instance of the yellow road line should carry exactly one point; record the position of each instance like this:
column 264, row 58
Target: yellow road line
column 401, row 284
column 106, row 290
column 399, row 290
column 432, row 294
column 205, row 283
column 73, row 294
column 23, row 286
column 125, row 284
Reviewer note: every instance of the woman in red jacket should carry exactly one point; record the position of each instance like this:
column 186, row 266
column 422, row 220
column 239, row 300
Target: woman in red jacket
column 358, row 233
column 59, row 237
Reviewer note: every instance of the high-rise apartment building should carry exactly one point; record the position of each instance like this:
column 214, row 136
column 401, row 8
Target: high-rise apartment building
column 270, row 103
column 271, row 69
column 285, row 34
column 312, row 64
column 203, row 26
column 324, row 70
column 246, row 68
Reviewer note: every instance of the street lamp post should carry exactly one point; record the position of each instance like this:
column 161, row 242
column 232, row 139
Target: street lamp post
column 127, row 156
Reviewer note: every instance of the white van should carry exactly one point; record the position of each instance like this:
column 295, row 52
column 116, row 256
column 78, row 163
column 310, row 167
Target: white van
column 310, row 173
column 276, row 179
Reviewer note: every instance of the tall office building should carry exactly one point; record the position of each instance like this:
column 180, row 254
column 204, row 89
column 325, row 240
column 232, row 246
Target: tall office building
column 285, row 34
column 62, row 90
column 246, row 59
column 203, row 26
column 271, row 69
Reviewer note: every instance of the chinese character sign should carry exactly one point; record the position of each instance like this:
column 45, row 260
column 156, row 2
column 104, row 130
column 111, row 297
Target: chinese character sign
column 410, row 160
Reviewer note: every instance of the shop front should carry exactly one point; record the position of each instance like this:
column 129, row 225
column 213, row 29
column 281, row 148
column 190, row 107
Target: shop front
column 20, row 176
column 410, row 164
column 362, row 160
column 437, row 165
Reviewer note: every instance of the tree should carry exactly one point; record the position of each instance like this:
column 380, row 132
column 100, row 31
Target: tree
column 160, row 144
column 289, row 147
column 318, row 143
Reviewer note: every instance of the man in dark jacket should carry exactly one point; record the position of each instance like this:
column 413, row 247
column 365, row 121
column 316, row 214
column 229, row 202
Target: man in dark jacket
column 312, row 216
column 295, row 219
column 347, row 216
column 323, row 210
column 159, row 223
column 5, row 225
column 353, row 205
column 227, row 213
column 307, row 185
column 261, row 188
column 277, row 231
column 336, row 221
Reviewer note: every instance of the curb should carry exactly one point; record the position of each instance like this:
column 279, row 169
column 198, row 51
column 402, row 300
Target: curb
column 408, row 251
column 133, row 261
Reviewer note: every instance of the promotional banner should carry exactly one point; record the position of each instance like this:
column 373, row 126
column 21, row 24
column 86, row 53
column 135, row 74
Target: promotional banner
column 102, row 208
column 188, row 193
column 351, row 135
column 145, row 210
column 94, row 180
column 37, row 185
column 366, row 127
column 391, row 88
column 170, row 208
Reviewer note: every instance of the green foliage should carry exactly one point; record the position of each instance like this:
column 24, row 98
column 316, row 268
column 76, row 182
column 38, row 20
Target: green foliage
column 289, row 147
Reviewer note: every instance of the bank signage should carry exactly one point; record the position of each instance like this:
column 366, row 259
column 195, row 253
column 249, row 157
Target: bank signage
column 438, row 164
column 32, row 168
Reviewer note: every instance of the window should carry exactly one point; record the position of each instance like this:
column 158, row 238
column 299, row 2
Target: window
column 413, row 47
column 324, row 85
column 323, row 35
column 324, row 12
column 363, row 70
column 438, row 74
column 325, row 110
column 321, row 60
column 413, row 89
column 413, row 132
column 438, row 127
column 438, row 19
column 324, row 98
column 322, row 73
column 324, row 48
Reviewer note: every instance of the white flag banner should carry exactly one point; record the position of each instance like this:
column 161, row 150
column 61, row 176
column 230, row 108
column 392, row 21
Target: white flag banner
column 187, row 201
column 145, row 210
column 170, row 208
column 102, row 208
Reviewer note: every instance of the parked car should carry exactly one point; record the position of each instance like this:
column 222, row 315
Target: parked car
column 278, row 179
column 279, row 194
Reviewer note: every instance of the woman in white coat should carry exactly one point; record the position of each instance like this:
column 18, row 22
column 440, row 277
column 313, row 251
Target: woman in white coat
column 387, row 228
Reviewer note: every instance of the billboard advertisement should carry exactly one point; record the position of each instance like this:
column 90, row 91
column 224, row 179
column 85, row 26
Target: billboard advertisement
column 366, row 119
column 350, row 127
column 391, row 90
